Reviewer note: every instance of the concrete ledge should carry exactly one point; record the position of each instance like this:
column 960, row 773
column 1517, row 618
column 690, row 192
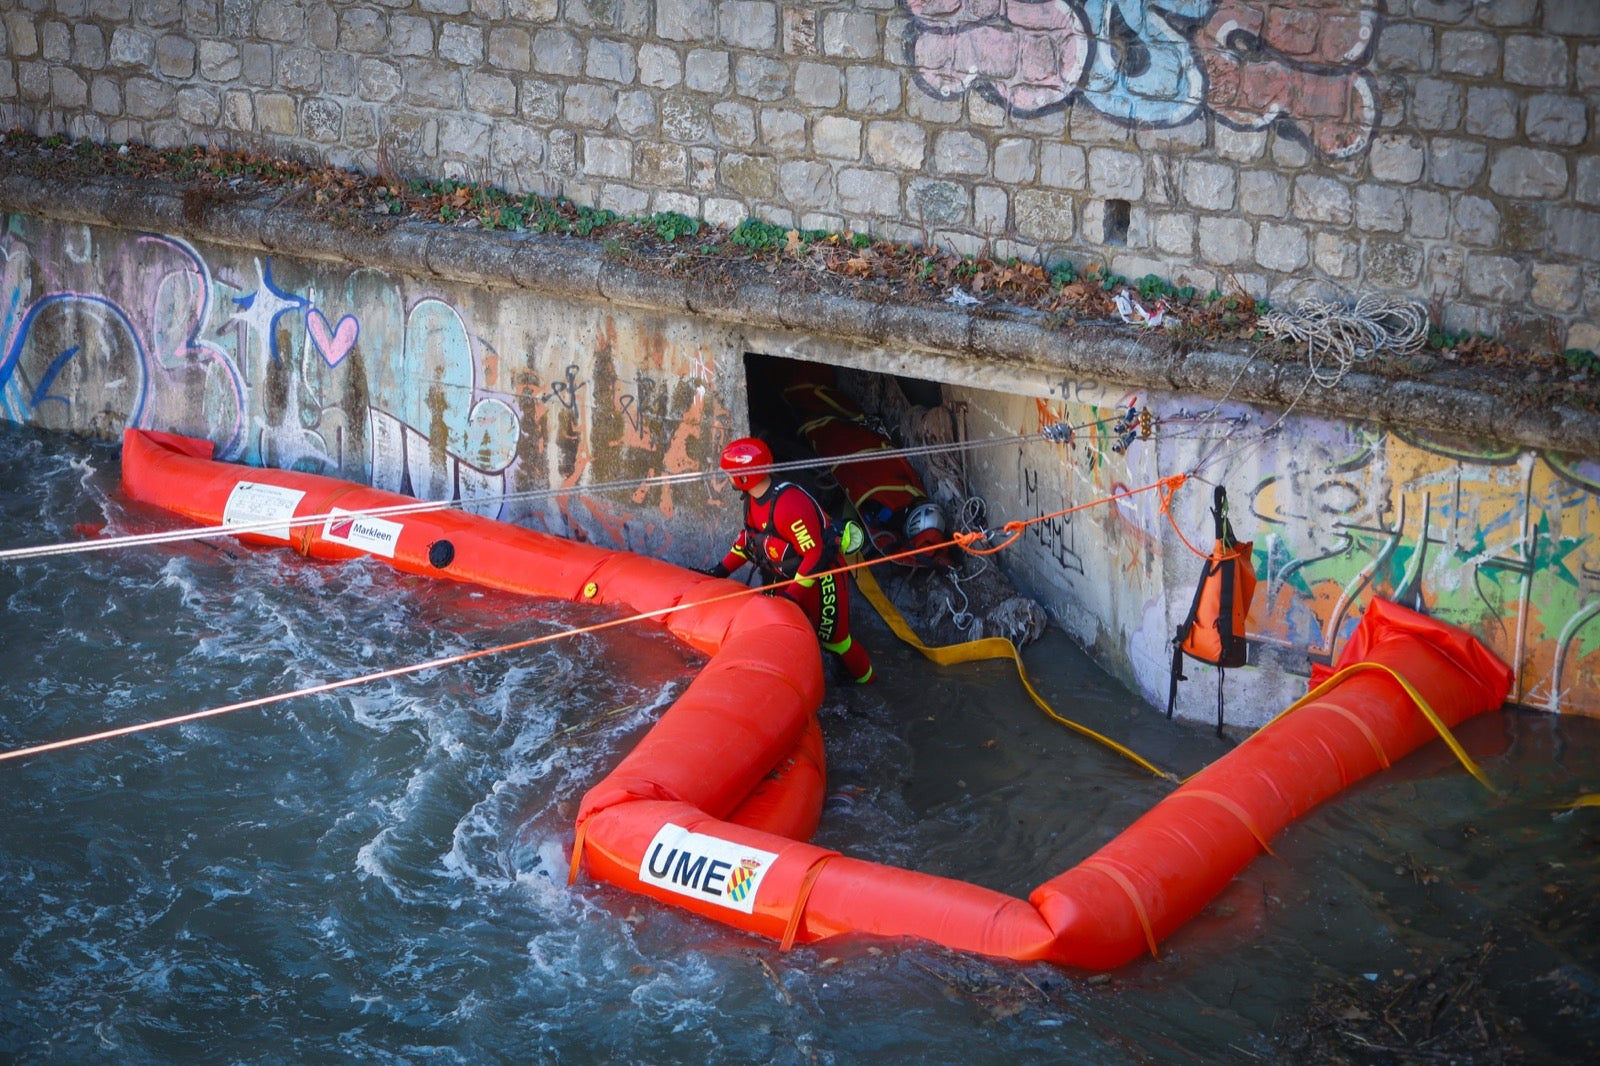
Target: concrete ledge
column 901, row 325
column 155, row 213
column 238, row 224
column 396, row 249
column 747, row 302
column 468, row 255
column 623, row 284
column 829, row 313
column 559, row 268
column 80, row 202
column 573, row 269
column 285, row 229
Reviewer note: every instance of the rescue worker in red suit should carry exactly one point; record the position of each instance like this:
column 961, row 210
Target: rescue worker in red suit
column 787, row 535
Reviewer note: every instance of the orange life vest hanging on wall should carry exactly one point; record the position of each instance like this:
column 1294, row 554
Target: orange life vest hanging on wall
column 1214, row 630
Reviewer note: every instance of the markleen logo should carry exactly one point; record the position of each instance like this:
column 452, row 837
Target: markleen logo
column 376, row 535
column 705, row 867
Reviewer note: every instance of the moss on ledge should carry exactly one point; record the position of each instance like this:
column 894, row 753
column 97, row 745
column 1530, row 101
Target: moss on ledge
column 845, row 284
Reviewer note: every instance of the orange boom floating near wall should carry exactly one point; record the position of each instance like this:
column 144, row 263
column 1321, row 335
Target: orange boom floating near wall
column 712, row 810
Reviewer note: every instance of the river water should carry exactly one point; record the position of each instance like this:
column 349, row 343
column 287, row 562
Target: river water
column 378, row 875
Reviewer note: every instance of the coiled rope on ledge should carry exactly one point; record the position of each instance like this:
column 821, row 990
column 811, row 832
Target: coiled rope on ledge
column 1337, row 335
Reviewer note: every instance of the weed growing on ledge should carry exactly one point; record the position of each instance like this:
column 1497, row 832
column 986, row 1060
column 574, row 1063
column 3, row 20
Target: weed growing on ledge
column 850, row 262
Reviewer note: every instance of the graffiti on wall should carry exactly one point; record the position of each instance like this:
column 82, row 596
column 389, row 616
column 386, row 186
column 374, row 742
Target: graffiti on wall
column 349, row 372
column 1094, row 447
column 1300, row 64
column 1505, row 544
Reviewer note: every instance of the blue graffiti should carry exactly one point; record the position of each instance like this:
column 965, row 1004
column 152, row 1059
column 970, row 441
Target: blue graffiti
column 92, row 309
column 260, row 310
column 1143, row 67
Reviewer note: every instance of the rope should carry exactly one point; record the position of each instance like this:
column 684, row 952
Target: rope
column 1339, row 334
column 1166, row 509
column 399, row 671
column 528, row 495
column 967, row 541
column 963, row 619
column 1345, row 335
column 349, row 682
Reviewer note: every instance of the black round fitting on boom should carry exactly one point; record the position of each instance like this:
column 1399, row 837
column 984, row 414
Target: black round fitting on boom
column 441, row 553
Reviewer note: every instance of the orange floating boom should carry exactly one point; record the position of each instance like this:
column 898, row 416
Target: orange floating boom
column 712, row 810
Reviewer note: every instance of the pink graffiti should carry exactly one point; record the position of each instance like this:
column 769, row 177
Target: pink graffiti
column 1302, row 62
column 334, row 344
column 1297, row 62
column 1028, row 53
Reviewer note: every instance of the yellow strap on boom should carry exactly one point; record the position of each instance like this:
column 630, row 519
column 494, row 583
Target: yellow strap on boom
column 976, row 650
column 1416, row 698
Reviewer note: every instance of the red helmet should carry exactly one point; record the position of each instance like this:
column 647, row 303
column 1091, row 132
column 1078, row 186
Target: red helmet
column 743, row 456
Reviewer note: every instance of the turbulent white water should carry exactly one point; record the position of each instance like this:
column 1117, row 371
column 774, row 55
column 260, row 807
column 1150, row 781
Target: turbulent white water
column 380, row 875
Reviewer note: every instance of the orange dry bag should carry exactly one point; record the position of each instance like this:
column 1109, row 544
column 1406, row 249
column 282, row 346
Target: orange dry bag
column 1214, row 631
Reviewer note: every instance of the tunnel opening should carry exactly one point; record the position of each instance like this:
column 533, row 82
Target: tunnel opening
column 815, row 412
column 910, row 505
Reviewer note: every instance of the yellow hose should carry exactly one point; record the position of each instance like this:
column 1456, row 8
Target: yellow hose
column 977, row 650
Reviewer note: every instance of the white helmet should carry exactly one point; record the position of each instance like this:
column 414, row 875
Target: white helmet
column 923, row 517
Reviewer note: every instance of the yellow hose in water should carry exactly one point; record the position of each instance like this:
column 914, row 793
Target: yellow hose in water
column 977, row 650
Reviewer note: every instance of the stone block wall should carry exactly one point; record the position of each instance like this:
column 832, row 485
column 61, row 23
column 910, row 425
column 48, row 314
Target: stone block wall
column 1441, row 150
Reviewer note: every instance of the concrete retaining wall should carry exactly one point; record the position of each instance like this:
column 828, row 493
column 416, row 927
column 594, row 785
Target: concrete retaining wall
column 457, row 364
column 1501, row 540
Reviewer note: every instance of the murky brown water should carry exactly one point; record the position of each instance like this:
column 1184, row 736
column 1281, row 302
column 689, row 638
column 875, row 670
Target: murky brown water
column 379, row 876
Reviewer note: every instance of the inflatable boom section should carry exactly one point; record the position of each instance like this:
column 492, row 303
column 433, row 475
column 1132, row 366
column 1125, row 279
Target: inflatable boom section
column 741, row 741
column 712, row 812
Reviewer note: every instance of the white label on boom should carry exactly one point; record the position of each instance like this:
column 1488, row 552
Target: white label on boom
column 705, row 867
column 266, row 509
column 375, row 535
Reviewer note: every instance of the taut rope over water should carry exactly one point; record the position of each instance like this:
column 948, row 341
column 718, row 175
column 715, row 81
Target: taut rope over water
column 424, row 506
column 968, row 542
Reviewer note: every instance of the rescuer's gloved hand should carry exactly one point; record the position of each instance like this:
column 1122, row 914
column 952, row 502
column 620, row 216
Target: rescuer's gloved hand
column 717, row 570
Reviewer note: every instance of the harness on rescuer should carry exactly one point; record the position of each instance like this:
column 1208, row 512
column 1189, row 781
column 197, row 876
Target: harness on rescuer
column 794, row 545
column 1214, row 630
column 746, row 462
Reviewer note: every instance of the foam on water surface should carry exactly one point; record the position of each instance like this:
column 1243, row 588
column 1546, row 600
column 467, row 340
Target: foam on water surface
column 379, row 874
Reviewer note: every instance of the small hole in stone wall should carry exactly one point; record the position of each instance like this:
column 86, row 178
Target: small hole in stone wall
column 1117, row 212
